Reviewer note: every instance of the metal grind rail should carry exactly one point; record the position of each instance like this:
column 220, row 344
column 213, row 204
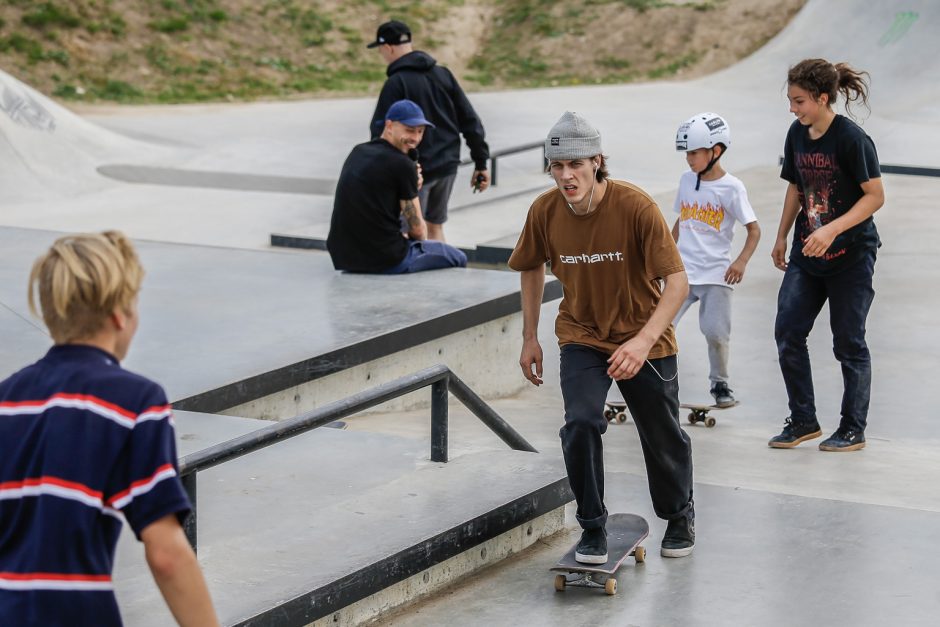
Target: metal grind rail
column 441, row 380
column 505, row 152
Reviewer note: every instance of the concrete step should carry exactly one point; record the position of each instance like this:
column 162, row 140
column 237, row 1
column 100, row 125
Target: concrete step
column 298, row 531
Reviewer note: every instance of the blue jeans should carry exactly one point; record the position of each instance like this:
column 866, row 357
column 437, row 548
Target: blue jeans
column 429, row 255
column 654, row 405
column 800, row 300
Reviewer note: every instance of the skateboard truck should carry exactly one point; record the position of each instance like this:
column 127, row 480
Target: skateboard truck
column 595, row 580
column 615, row 411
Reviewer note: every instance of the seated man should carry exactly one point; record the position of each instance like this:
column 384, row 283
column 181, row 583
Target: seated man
column 377, row 187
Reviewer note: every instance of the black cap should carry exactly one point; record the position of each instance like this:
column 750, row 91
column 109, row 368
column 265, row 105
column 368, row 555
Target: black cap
column 392, row 33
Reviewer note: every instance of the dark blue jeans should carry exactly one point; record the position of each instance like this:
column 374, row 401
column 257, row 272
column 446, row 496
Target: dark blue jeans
column 429, row 255
column 801, row 297
column 654, row 405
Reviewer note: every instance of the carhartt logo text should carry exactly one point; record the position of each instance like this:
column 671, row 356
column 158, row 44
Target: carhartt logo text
column 595, row 258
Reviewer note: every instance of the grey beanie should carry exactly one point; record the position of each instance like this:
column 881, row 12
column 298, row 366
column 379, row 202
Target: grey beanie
column 572, row 137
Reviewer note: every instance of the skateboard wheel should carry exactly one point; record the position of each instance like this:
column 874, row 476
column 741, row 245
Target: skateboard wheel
column 609, row 415
column 560, row 582
column 639, row 554
column 610, row 587
column 691, row 418
column 709, row 422
column 621, row 417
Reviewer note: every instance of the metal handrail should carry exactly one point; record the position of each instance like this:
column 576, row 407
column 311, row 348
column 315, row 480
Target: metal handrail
column 439, row 377
column 494, row 157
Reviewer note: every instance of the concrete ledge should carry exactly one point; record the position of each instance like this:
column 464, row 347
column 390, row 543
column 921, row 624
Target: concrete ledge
column 448, row 572
column 302, row 240
column 497, row 375
column 482, row 328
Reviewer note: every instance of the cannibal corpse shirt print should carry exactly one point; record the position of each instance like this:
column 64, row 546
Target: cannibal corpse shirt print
column 818, row 172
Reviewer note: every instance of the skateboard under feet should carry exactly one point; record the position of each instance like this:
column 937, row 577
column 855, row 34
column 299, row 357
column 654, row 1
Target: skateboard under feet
column 625, row 532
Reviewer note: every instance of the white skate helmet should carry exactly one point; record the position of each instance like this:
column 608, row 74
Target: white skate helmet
column 704, row 130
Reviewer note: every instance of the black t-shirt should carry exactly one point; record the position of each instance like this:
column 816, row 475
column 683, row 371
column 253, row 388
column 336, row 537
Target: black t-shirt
column 365, row 230
column 828, row 173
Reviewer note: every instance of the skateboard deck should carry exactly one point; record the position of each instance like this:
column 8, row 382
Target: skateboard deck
column 615, row 410
column 625, row 532
column 699, row 413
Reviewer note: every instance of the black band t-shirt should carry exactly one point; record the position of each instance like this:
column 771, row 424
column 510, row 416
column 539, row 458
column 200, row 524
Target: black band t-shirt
column 365, row 229
column 828, row 173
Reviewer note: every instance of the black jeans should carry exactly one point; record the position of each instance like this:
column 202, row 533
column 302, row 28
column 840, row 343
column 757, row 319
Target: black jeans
column 801, row 297
column 654, row 405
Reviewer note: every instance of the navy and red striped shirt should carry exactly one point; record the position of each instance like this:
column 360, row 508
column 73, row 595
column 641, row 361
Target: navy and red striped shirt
column 82, row 441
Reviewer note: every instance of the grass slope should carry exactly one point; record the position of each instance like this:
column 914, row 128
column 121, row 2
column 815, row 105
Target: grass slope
column 167, row 51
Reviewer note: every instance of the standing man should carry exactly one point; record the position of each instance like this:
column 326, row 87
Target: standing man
column 623, row 280
column 415, row 75
column 377, row 187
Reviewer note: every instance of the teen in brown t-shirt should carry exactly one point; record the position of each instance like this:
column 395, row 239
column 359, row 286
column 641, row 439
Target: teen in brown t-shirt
column 623, row 279
column 610, row 262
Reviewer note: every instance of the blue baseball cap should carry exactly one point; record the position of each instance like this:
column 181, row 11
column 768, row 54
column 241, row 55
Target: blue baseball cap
column 408, row 113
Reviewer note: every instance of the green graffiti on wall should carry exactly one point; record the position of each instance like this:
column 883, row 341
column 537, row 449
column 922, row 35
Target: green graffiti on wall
column 903, row 20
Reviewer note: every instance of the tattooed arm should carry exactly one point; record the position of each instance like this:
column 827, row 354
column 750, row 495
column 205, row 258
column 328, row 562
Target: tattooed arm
column 417, row 228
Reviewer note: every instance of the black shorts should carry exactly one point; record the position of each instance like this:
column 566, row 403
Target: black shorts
column 434, row 196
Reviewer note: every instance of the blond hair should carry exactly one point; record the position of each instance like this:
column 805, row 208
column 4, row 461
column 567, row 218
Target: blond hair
column 81, row 280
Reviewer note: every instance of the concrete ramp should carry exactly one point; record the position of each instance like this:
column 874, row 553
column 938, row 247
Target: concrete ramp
column 45, row 148
column 896, row 42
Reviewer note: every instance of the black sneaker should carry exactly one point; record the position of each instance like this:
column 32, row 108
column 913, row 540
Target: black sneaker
column 795, row 432
column 679, row 539
column 722, row 395
column 592, row 549
column 843, row 440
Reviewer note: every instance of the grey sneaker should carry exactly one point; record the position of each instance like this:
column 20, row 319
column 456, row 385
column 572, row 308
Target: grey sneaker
column 592, row 549
column 843, row 440
column 679, row 539
column 722, row 394
column 795, row 432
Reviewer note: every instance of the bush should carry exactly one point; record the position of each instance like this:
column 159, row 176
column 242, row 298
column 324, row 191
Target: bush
column 118, row 91
column 69, row 92
column 49, row 14
column 30, row 48
column 59, row 56
column 113, row 24
column 170, row 25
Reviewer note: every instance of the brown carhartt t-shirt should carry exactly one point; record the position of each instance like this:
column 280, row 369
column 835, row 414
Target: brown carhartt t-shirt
column 608, row 261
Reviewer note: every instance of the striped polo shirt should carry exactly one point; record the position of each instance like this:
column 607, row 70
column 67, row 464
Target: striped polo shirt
column 82, row 442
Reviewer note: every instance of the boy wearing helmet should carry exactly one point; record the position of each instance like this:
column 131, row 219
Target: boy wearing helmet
column 709, row 203
column 623, row 280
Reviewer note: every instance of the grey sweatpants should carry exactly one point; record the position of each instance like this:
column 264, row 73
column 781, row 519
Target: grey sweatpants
column 714, row 319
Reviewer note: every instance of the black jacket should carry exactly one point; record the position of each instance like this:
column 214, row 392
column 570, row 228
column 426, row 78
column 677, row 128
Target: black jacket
column 416, row 76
